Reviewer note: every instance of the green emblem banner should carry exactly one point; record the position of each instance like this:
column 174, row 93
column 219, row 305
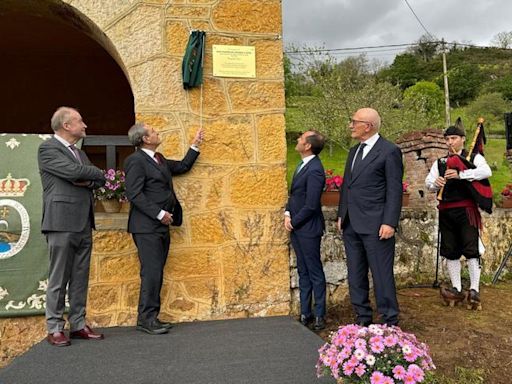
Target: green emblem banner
column 23, row 250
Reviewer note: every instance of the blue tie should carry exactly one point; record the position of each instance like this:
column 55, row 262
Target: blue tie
column 298, row 168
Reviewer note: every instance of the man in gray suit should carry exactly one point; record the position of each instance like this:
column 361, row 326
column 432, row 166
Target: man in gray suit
column 68, row 179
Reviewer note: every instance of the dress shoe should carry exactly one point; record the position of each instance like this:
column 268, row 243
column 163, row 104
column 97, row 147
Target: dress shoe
column 163, row 324
column 58, row 339
column 474, row 300
column 87, row 334
column 364, row 323
column 319, row 324
column 306, row 320
column 452, row 296
column 153, row 328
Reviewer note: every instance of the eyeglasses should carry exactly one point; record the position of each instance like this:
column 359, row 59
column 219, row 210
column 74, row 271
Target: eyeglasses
column 353, row 121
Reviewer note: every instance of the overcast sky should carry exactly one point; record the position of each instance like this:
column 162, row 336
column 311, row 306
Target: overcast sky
column 357, row 23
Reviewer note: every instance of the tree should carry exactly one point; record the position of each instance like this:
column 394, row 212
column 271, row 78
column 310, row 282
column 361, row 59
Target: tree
column 464, row 82
column 490, row 106
column 427, row 97
column 502, row 40
column 426, row 48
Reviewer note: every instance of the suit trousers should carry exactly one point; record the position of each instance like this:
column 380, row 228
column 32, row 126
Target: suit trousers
column 153, row 249
column 368, row 252
column 70, row 256
column 311, row 274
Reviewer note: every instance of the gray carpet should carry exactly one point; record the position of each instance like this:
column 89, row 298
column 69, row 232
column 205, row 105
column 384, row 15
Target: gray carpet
column 260, row 350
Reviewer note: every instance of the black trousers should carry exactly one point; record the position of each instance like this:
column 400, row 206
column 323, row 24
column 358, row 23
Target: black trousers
column 458, row 237
column 153, row 249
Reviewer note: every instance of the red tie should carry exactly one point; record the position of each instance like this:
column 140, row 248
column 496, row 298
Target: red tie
column 157, row 158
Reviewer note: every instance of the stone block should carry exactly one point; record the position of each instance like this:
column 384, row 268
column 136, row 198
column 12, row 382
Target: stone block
column 130, row 295
column 251, row 96
column 113, row 241
column 138, row 35
column 193, row 263
column 214, row 227
column 101, row 12
column 254, row 16
column 159, row 121
column 259, row 186
column 113, row 268
column 269, row 59
column 157, row 85
column 214, row 98
column 271, row 138
column 103, row 298
column 172, row 145
column 188, row 12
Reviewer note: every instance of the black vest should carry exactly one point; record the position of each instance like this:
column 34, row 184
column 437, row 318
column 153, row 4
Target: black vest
column 455, row 189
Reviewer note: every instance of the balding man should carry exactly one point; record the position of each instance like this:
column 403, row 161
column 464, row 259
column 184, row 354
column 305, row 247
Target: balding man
column 68, row 179
column 368, row 214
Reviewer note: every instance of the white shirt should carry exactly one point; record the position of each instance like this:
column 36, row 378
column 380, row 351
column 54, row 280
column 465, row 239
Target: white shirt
column 482, row 171
column 65, row 143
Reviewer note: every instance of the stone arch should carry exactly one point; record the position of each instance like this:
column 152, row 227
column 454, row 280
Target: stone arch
column 53, row 55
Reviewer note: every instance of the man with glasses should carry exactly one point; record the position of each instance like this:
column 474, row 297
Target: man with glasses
column 68, row 179
column 368, row 215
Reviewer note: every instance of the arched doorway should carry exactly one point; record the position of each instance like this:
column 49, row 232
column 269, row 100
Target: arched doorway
column 53, row 55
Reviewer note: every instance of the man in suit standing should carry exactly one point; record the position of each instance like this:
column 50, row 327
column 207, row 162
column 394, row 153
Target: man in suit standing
column 154, row 207
column 368, row 214
column 68, row 178
column 305, row 222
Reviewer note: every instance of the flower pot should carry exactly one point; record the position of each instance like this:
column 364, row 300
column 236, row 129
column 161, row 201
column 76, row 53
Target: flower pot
column 507, row 202
column 405, row 199
column 330, row 199
column 125, row 207
column 111, row 205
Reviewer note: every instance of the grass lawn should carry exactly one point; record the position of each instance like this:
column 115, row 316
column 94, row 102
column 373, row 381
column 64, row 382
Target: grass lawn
column 494, row 154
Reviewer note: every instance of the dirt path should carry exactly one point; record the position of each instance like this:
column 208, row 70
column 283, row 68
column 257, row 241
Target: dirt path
column 480, row 341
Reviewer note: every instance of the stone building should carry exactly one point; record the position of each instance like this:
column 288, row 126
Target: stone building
column 120, row 60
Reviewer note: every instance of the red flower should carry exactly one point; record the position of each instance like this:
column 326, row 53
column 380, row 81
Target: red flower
column 507, row 191
column 405, row 186
column 332, row 182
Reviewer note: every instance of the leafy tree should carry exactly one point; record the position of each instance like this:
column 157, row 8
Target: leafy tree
column 404, row 71
column 426, row 48
column 490, row 106
column 464, row 82
column 427, row 97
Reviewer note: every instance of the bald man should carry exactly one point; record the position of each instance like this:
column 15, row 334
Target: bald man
column 368, row 215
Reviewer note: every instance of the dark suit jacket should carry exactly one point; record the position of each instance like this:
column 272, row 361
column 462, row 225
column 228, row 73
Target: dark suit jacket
column 372, row 194
column 66, row 207
column 304, row 201
column 149, row 190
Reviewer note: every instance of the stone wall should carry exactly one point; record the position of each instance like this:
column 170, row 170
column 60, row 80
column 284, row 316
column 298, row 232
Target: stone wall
column 416, row 250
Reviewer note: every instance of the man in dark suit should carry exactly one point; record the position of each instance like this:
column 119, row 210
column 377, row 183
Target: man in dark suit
column 368, row 214
column 154, row 207
column 68, row 178
column 305, row 222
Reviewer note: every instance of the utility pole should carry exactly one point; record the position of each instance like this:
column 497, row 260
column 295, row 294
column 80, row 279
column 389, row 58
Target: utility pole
column 446, row 91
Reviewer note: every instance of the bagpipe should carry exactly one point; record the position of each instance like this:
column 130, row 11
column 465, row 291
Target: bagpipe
column 481, row 190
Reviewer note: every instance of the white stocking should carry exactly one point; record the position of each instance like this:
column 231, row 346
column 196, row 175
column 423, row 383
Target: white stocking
column 454, row 272
column 474, row 273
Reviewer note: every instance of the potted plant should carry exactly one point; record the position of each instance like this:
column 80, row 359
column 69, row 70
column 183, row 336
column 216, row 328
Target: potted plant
column 375, row 354
column 506, row 196
column 113, row 193
column 331, row 192
column 405, row 193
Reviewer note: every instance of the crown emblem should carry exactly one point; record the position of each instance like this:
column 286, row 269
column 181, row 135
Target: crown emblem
column 13, row 187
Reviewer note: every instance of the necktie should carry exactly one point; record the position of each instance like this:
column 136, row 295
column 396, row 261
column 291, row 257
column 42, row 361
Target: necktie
column 76, row 153
column 298, row 168
column 158, row 158
column 359, row 155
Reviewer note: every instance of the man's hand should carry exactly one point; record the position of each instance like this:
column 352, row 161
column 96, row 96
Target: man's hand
column 198, row 139
column 339, row 224
column 288, row 223
column 451, row 174
column 386, row 232
column 167, row 219
column 440, row 182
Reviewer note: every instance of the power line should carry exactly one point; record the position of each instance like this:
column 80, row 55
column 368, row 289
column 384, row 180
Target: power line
column 419, row 21
column 350, row 49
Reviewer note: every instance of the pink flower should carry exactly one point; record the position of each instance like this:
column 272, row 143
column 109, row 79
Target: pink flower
column 377, row 378
column 360, row 370
column 348, row 368
column 377, row 347
column 399, row 372
column 416, row 372
column 360, row 344
column 409, row 379
column 390, row 341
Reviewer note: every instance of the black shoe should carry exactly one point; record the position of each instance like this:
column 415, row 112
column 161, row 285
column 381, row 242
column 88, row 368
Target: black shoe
column 163, row 324
column 452, row 296
column 152, row 328
column 319, row 324
column 306, row 320
column 474, row 300
column 364, row 323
